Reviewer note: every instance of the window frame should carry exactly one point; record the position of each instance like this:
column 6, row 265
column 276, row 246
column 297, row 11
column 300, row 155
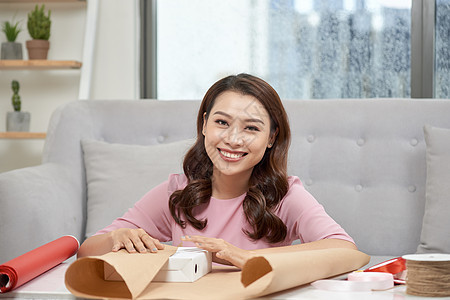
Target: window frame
column 423, row 24
column 148, row 50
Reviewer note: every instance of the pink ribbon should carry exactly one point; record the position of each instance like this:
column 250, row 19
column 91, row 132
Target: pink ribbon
column 358, row 282
column 378, row 277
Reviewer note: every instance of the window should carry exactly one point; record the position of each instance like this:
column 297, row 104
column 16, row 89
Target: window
column 304, row 48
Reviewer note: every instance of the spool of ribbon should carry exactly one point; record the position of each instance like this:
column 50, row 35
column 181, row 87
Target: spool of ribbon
column 22, row 269
column 428, row 275
column 358, row 282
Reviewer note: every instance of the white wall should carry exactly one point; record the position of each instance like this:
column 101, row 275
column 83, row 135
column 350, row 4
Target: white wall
column 115, row 68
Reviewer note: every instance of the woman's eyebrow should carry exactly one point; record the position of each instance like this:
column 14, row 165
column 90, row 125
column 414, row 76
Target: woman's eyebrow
column 255, row 120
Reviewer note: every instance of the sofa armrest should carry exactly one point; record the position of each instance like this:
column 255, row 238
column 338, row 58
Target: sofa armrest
column 38, row 204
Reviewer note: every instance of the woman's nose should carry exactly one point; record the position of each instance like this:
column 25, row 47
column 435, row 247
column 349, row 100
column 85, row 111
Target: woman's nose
column 234, row 136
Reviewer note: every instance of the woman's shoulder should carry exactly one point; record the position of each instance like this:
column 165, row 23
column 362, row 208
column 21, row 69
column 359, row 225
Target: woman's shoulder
column 296, row 191
column 294, row 181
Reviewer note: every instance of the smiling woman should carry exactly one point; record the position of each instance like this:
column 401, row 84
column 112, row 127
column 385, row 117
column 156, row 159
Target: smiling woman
column 235, row 197
column 234, row 130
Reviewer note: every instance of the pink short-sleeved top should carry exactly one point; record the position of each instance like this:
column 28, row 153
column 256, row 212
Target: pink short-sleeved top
column 304, row 217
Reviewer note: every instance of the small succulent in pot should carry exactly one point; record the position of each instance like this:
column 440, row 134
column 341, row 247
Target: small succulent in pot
column 17, row 120
column 11, row 31
column 39, row 24
column 17, row 104
column 11, row 49
column 39, row 29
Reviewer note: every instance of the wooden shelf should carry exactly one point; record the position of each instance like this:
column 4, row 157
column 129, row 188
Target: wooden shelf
column 38, row 64
column 22, row 135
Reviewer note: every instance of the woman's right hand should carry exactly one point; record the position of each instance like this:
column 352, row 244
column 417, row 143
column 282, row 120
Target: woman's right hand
column 134, row 240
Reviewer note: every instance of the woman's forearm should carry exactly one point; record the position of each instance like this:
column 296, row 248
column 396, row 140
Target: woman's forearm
column 225, row 251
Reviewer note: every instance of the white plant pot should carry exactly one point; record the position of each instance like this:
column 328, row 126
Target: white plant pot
column 18, row 121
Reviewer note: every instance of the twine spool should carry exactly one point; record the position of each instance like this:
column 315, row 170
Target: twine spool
column 428, row 275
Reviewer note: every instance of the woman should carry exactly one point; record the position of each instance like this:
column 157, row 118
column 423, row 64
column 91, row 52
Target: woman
column 235, row 198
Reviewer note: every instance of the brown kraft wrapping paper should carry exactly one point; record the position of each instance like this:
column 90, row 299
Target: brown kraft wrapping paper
column 260, row 276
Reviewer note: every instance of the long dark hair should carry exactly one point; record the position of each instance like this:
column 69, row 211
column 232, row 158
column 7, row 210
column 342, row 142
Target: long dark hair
column 268, row 183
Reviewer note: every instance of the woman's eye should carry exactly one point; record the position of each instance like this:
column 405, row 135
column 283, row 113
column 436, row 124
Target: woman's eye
column 221, row 122
column 252, row 128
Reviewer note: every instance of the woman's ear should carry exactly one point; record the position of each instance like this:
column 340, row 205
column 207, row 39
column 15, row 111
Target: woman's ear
column 204, row 123
column 273, row 137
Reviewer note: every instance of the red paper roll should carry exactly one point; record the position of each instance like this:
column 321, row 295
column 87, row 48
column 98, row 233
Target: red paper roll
column 22, row 269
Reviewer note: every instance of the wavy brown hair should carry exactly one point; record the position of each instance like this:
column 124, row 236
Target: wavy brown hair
column 268, row 183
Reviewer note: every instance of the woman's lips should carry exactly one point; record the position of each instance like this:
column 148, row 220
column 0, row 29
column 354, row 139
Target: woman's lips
column 231, row 155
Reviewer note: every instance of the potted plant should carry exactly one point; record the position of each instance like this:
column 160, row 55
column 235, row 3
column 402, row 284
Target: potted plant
column 39, row 29
column 17, row 120
column 11, row 49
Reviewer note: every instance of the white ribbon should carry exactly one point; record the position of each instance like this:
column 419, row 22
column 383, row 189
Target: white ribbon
column 358, row 282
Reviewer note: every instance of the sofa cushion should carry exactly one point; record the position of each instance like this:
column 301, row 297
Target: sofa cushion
column 436, row 222
column 118, row 175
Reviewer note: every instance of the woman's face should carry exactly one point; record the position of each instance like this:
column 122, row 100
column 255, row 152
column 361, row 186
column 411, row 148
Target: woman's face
column 237, row 134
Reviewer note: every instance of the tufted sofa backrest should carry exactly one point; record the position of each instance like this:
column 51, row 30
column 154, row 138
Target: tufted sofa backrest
column 363, row 159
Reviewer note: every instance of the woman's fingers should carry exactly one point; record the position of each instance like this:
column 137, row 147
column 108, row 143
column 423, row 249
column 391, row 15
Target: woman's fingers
column 223, row 252
column 217, row 259
column 117, row 246
column 199, row 241
column 210, row 244
column 130, row 246
column 152, row 244
column 135, row 240
column 137, row 244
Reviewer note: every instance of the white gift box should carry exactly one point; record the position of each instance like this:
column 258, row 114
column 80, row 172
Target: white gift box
column 188, row 264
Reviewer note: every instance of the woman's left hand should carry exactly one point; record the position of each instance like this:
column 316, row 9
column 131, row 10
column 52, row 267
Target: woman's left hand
column 223, row 252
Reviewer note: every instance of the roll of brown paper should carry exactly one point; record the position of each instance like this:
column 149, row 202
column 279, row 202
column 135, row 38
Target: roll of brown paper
column 22, row 269
column 260, row 276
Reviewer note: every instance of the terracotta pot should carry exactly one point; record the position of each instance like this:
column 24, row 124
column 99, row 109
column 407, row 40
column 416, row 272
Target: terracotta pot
column 38, row 49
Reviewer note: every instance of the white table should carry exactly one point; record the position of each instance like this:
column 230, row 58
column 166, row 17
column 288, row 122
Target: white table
column 51, row 285
column 309, row 292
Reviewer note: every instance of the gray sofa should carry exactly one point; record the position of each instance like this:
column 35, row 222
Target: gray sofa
column 363, row 159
